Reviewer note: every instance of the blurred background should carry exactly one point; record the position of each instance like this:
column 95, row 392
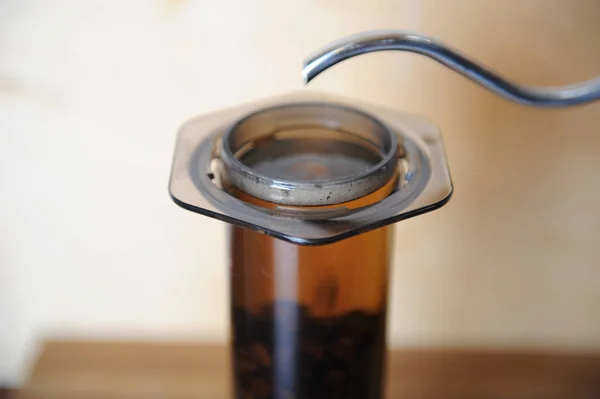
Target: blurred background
column 93, row 92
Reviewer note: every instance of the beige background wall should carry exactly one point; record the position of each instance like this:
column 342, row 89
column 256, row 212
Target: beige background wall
column 92, row 92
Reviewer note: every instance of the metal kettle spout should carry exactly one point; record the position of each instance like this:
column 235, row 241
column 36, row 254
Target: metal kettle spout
column 351, row 46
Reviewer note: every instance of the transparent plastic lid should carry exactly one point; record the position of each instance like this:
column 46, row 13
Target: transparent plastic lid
column 308, row 155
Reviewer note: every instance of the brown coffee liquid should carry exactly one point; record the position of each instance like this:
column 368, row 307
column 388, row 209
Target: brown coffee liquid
column 308, row 322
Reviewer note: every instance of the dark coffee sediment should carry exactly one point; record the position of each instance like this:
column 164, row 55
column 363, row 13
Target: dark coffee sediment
column 283, row 351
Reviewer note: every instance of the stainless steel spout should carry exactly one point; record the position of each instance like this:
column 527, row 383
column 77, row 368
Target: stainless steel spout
column 368, row 42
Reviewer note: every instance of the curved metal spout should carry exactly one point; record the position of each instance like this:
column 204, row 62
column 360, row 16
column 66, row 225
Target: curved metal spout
column 368, row 42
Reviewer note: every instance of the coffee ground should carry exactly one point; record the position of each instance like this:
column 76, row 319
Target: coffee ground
column 283, row 352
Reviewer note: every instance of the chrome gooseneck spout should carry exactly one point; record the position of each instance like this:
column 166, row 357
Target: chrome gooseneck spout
column 368, row 42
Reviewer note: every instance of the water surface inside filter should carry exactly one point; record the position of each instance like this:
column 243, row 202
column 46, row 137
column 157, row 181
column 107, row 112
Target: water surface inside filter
column 304, row 159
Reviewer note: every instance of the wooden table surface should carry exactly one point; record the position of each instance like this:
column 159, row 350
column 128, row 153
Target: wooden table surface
column 103, row 370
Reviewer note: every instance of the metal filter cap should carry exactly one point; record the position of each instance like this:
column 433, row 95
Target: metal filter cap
column 309, row 154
